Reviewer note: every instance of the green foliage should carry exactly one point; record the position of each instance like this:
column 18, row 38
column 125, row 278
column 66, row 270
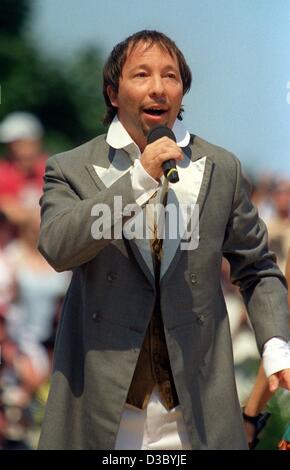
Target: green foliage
column 88, row 64
column 279, row 406
column 13, row 16
column 67, row 97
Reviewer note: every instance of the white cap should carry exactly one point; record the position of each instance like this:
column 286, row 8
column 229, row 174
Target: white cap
column 20, row 125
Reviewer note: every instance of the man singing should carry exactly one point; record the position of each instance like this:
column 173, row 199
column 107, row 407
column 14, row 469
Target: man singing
column 143, row 357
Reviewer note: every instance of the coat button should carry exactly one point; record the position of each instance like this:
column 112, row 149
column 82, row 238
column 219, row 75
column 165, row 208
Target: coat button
column 111, row 276
column 96, row 316
column 200, row 319
column 193, row 278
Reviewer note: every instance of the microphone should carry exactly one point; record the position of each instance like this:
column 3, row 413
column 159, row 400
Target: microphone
column 169, row 167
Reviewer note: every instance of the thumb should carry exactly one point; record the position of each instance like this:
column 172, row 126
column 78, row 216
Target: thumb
column 273, row 382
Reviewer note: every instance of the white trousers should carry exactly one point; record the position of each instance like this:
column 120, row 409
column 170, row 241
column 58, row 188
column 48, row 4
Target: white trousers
column 154, row 428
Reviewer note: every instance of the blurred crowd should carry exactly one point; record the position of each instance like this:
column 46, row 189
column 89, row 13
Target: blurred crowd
column 31, row 292
column 271, row 195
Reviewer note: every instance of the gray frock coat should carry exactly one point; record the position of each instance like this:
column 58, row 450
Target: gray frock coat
column 111, row 296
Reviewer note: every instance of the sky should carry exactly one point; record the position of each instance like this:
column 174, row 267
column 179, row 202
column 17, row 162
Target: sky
column 238, row 51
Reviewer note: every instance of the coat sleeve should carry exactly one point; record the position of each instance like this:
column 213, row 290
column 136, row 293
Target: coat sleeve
column 253, row 266
column 66, row 239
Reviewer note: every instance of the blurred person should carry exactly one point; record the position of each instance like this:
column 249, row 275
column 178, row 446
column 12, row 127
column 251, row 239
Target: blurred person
column 38, row 287
column 7, row 230
column 245, row 352
column 244, row 344
column 143, row 356
column 284, row 444
column 254, row 418
column 22, row 168
column 260, row 395
column 20, row 375
column 279, row 235
column 7, row 285
column 30, row 307
column 261, row 196
column 19, row 380
column 287, row 274
column 279, row 225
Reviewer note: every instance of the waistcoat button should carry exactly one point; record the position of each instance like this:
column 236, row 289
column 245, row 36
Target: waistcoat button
column 96, row 316
column 111, row 276
column 193, row 278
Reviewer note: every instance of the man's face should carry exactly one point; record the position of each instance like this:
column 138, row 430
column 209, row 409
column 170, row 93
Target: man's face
column 25, row 152
column 150, row 91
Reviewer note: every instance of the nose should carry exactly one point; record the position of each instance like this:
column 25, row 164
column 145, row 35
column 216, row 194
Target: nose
column 157, row 86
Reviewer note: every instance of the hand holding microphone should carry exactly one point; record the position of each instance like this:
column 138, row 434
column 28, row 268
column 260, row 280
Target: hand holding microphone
column 161, row 153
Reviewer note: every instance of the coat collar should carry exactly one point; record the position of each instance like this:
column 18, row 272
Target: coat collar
column 121, row 146
column 118, row 137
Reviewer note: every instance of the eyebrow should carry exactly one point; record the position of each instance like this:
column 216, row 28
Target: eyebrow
column 146, row 66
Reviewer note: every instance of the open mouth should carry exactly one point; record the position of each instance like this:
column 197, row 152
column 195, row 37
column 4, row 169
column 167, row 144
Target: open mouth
column 154, row 111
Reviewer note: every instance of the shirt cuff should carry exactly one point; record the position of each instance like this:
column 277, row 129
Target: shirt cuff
column 276, row 356
column 144, row 186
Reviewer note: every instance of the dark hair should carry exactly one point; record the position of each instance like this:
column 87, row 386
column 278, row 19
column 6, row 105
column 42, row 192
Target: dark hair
column 114, row 65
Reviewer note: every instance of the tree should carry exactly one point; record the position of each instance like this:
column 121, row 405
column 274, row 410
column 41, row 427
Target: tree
column 65, row 96
column 13, row 16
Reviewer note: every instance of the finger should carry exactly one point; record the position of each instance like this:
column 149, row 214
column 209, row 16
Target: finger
column 163, row 144
column 273, row 383
column 164, row 140
column 160, row 159
column 285, row 376
column 165, row 153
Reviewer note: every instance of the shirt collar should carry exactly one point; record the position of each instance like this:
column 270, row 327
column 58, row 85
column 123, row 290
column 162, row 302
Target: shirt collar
column 118, row 137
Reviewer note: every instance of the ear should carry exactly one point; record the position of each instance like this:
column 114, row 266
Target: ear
column 113, row 95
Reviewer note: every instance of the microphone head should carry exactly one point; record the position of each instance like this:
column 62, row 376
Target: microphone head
column 159, row 131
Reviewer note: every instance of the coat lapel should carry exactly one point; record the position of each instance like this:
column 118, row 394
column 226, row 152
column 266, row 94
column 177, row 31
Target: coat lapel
column 180, row 196
column 116, row 164
column 143, row 247
column 181, row 201
column 142, row 242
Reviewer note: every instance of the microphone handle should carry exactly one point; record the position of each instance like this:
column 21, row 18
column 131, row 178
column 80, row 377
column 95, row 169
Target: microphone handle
column 170, row 171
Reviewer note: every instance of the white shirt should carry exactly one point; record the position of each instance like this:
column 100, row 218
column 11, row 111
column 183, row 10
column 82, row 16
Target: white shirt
column 276, row 351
